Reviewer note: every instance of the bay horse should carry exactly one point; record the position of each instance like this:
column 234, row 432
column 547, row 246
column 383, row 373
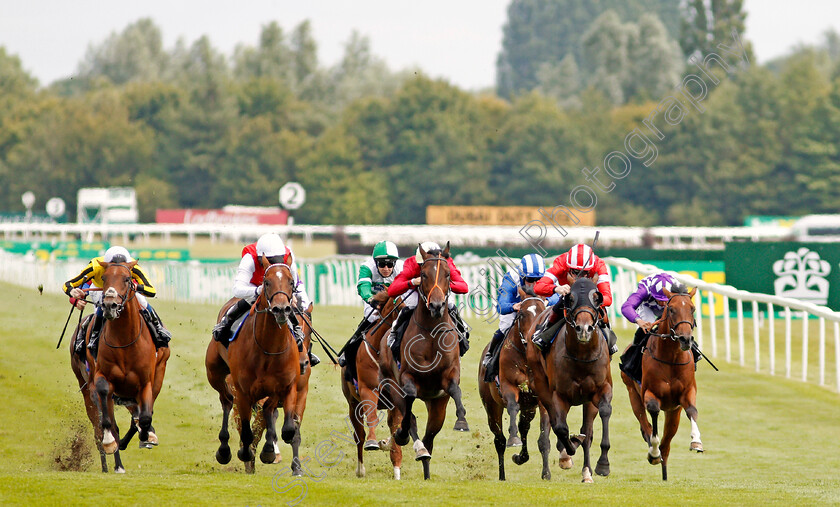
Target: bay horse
column 375, row 391
column 668, row 382
column 514, row 392
column 127, row 367
column 263, row 362
column 431, row 365
column 575, row 370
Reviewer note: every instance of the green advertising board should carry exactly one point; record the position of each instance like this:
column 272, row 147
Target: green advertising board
column 805, row 271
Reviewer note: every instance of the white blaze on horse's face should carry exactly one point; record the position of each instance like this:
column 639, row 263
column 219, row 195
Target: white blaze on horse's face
column 533, row 310
column 111, row 293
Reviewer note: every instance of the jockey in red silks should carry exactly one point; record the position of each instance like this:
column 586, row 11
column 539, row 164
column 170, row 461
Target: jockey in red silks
column 248, row 285
column 579, row 261
column 409, row 279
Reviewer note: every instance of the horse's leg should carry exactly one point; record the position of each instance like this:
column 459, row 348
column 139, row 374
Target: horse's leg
column 369, row 400
column 402, row 434
column 652, row 404
column 494, row 420
column 544, row 444
column 394, row 419
column 672, row 424
column 689, row 403
column 126, row 439
column 223, row 452
column 525, row 418
column 510, row 396
column 454, row 390
column 246, row 436
column 267, row 412
column 589, row 413
column 103, row 389
column 437, row 414
column 604, row 411
column 146, row 410
column 637, row 406
column 561, row 428
column 157, row 384
column 290, row 432
column 93, row 415
column 359, row 430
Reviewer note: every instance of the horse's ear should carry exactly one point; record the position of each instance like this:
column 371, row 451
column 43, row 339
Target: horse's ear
column 445, row 253
column 104, row 264
column 131, row 265
column 264, row 262
column 692, row 292
column 598, row 297
column 423, row 253
column 667, row 293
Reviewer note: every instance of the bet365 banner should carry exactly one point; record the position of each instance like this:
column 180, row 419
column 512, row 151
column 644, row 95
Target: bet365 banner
column 805, row 271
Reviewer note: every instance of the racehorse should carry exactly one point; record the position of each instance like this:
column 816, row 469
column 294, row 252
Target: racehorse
column 263, row 362
column 667, row 378
column 513, row 391
column 127, row 367
column 575, row 370
column 430, row 368
column 375, row 391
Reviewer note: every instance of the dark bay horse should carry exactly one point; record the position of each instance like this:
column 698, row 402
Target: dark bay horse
column 430, row 368
column 263, row 364
column 375, row 391
column 127, row 367
column 667, row 378
column 575, row 370
column 514, row 392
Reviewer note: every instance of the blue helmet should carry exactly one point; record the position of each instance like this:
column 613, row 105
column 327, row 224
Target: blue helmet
column 532, row 266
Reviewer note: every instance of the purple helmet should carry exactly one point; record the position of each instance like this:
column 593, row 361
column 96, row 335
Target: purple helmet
column 655, row 284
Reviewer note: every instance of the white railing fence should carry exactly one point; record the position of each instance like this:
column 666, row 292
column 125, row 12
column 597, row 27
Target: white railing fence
column 332, row 281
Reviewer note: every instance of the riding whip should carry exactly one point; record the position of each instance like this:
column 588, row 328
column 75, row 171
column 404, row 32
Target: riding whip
column 72, row 307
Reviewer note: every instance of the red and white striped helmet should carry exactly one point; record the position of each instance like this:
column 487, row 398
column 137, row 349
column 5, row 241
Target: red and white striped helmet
column 581, row 257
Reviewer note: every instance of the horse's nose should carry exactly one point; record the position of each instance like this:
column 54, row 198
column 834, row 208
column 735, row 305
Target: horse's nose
column 436, row 308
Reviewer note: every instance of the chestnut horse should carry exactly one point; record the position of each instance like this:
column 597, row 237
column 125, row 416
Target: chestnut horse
column 431, row 367
column 127, row 367
column 375, row 391
column 575, row 370
column 513, row 391
column 667, row 378
column 263, row 364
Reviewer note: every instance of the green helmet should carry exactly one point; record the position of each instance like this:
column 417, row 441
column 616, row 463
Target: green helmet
column 385, row 250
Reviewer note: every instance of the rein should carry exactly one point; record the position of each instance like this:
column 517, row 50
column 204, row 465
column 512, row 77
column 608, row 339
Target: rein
column 437, row 272
column 518, row 322
column 671, row 333
column 267, row 309
column 570, row 322
column 125, row 298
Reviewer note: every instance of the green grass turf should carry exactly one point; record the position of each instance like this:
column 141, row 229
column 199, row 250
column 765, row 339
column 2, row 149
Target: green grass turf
column 769, row 440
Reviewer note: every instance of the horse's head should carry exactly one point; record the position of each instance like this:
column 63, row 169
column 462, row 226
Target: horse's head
column 530, row 308
column 434, row 280
column 678, row 316
column 117, row 287
column 583, row 303
column 278, row 287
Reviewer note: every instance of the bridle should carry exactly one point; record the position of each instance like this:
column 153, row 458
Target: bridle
column 671, row 331
column 124, row 298
column 519, row 319
column 267, row 309
column 425, row 297
column 571, row 317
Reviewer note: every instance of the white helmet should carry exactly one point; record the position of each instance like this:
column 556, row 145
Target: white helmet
column 427, row 247
column 271, row 245
column 115, row 251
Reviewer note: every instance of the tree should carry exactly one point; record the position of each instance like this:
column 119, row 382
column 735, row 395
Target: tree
column 135, row 54
column 707, row 23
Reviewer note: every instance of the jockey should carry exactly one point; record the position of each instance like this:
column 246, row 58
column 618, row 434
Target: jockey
column 643, row 308
column 92, row 275
column 531, row 270
column 409, row 279
column 248, row 285
column 375, row 275
column 579, row 261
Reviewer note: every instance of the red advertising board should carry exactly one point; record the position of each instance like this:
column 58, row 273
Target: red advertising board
column 251, row 216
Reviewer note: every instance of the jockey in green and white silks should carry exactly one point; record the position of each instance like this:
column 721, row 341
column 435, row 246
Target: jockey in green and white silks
column 375, row 274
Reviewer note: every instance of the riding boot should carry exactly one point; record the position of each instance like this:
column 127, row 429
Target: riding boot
column 397, row 330
column 543, row 335
column 357, row 336
column 463, row 330
column 95, row 330
column 491, row 358
column 297, row 331
column 696, row 353
column 160, row 335
column 610, row 337
column 222, row 330
column 79, row 346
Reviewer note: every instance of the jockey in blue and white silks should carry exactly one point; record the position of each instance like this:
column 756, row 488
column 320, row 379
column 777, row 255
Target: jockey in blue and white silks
column 531, row 269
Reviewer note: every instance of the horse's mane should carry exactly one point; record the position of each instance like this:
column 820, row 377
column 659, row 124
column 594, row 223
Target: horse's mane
column 381, row 296
column 529, row 291
column 678, row 288
column 437, row 252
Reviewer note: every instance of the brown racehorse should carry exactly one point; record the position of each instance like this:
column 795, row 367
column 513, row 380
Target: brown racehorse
column 127, row 366
column 513, row 391
column 375, row 391
column 667, row 378
column 263, row 362
column 431, row 367
column 576, row 371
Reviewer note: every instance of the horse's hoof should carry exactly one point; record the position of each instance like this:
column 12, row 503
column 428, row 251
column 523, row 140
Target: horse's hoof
column 249, row 467
column 111, row 447
column 654, row 461
column 385, row 445
column 153, row 439
column 267, row 457
column 420, row 451
column 397, row 473
column 520, row 459
column 546, row 476
column 119, row 470
column 146, row 445
column 514, row 441
column 401, row 438
column 602, row 470
column 586, row 476
column 577, row 439
column 566, row 463
column 461, row 425
column 223, row 455
column 360, row 470
column 696, row 446
column 371, row 445
column 244, row 454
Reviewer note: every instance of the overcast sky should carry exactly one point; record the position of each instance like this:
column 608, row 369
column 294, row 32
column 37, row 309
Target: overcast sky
column 454, row 39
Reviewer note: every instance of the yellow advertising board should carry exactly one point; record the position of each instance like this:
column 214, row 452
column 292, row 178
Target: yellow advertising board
column 505, row 215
